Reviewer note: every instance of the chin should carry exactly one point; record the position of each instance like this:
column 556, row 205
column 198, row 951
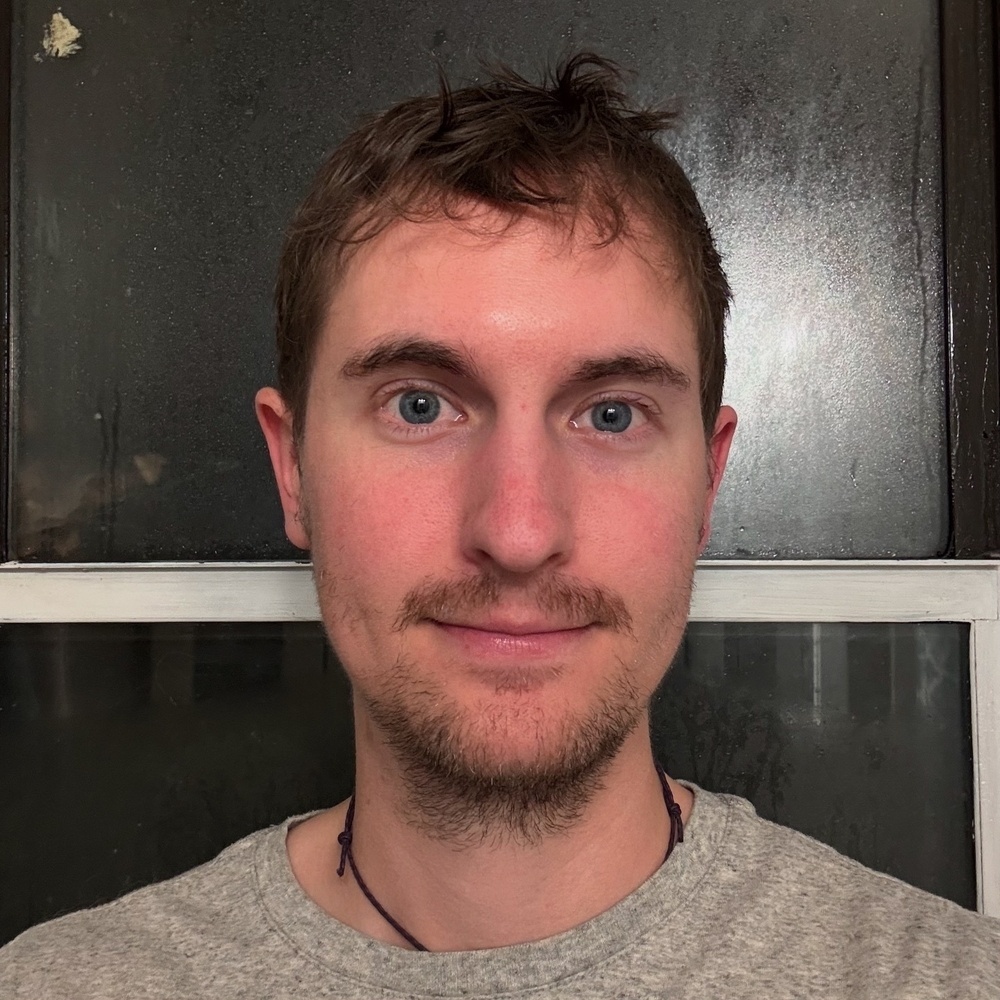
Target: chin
column 505, row 740
column 513, row 761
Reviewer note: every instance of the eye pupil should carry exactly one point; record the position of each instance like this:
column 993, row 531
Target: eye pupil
column 419, row 407
column 614, row 415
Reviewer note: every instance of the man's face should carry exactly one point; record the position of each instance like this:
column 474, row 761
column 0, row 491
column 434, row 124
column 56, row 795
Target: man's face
column 503, row 434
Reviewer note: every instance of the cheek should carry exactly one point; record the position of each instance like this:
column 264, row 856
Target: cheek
column 647, row 528
column 648, row 554
column 375, row 532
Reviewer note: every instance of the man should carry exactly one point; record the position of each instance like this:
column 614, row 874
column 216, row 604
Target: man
column 499, row 433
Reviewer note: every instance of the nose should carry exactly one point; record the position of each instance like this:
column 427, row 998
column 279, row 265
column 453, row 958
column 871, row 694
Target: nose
column 518, row 507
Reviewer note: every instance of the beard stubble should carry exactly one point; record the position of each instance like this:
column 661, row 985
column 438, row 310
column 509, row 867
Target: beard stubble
column 459, row 786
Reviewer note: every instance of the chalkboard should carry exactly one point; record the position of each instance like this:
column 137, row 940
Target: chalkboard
column 159, row 149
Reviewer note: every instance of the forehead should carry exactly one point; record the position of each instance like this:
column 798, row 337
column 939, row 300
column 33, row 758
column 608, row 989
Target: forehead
column 516, row 291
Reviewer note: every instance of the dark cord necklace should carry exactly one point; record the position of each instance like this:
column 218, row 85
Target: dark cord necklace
column 347, row 855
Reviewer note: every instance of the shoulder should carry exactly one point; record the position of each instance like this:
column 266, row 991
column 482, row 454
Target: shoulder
column 146, row 944
column 792, row 895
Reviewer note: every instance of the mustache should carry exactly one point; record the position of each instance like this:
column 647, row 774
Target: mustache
column 580, row 603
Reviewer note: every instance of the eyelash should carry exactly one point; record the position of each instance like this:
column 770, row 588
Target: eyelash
column 419, row 430
column 390, row 393
column 649, row 410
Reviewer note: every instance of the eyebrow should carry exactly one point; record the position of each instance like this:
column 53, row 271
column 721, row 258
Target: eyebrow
column 636, row 364
column 413, row 350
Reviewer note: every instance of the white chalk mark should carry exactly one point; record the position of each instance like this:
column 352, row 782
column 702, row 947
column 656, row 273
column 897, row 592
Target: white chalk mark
column 61, row 38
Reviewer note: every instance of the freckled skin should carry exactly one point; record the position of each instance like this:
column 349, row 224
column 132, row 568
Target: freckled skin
column 513, row 481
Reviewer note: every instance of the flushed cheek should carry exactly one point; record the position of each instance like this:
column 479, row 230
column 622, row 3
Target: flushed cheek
column 377, row 497
column 377, row 537
column 648, row 525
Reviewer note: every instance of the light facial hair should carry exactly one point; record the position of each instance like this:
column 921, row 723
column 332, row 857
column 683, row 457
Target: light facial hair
column 459, row 788
column 458, row 792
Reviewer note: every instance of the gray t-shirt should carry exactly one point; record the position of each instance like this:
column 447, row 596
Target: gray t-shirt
column 743, row 908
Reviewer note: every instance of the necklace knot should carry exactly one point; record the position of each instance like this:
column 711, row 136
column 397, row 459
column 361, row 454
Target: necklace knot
column 676, row 826
column 344, row 839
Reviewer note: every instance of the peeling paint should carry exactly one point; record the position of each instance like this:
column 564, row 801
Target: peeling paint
column 61, row 38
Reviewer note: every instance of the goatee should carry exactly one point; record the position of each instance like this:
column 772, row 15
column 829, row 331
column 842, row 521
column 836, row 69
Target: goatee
column 460, row 787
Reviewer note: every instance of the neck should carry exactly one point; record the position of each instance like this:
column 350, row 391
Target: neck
column 497, row 892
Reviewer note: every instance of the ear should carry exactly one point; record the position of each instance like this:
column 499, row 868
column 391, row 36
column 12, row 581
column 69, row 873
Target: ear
column 276, row 422
column 718, row 455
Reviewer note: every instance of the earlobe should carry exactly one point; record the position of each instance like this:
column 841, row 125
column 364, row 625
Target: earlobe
column 275, row 420
column 718, row 455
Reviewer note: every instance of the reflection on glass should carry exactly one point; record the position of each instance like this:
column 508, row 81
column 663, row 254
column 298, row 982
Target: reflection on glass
column 133, row 752
column 858, row 735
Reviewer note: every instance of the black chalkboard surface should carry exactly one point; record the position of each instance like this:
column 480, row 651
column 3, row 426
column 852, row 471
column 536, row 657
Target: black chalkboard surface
column 157, row 154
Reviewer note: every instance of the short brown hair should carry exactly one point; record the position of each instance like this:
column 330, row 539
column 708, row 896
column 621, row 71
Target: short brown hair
column 572, row 144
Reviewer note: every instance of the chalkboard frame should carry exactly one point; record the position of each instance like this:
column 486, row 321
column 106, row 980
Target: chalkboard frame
column 6, row 421
column 970, row 52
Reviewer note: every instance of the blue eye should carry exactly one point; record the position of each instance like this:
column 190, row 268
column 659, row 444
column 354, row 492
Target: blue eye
column 419, row 406
column 613, row 415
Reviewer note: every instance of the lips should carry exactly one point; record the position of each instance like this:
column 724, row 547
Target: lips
column 496, row 639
